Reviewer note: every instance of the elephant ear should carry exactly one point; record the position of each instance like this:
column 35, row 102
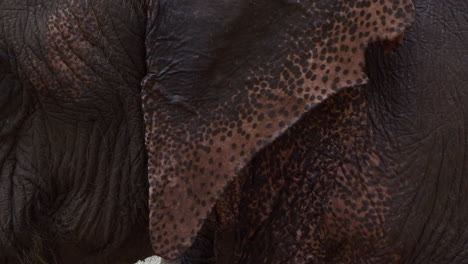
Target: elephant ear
column 226, row 78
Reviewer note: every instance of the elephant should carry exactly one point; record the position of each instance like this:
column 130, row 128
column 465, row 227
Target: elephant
column 249, row 131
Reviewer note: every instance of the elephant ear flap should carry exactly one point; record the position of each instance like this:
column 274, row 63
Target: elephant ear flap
column 226, row 78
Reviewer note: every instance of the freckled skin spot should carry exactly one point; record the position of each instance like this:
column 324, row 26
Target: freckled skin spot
column 319, row 193
column 233, row 73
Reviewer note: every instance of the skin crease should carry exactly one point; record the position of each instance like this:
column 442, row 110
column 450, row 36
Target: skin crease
column 221, row 87
column 340, row 186
column 375, row 174
column 73, row 185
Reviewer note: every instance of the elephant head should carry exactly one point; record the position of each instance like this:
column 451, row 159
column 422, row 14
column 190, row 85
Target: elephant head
column 207, row 85
column 225, row 79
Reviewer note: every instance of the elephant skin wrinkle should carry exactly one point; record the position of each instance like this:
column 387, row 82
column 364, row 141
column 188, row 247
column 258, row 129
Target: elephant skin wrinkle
column 234, row 131
column 248, row 71
column 375, row 174
column 73, row 186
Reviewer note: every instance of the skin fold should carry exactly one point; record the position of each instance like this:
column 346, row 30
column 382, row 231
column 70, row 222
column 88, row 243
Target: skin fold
column 375, row 174
column 220, row 88
column 73, row 185
column 247, row 131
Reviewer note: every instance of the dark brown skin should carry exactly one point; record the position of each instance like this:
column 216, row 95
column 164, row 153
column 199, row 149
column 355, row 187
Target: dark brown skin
column 375, row 174
column 73, row 185
column 265, row 142
column 227, row 78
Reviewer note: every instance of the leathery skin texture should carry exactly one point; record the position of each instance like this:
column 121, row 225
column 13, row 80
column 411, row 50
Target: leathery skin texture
column 73, row 185
column 265, row 144
column 375, row 174
column 226, row 78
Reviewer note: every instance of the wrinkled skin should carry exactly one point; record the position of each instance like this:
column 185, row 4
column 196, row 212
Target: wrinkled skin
column 73, row 185
column 225, row 79
column 376, row 174
column 264, row 142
